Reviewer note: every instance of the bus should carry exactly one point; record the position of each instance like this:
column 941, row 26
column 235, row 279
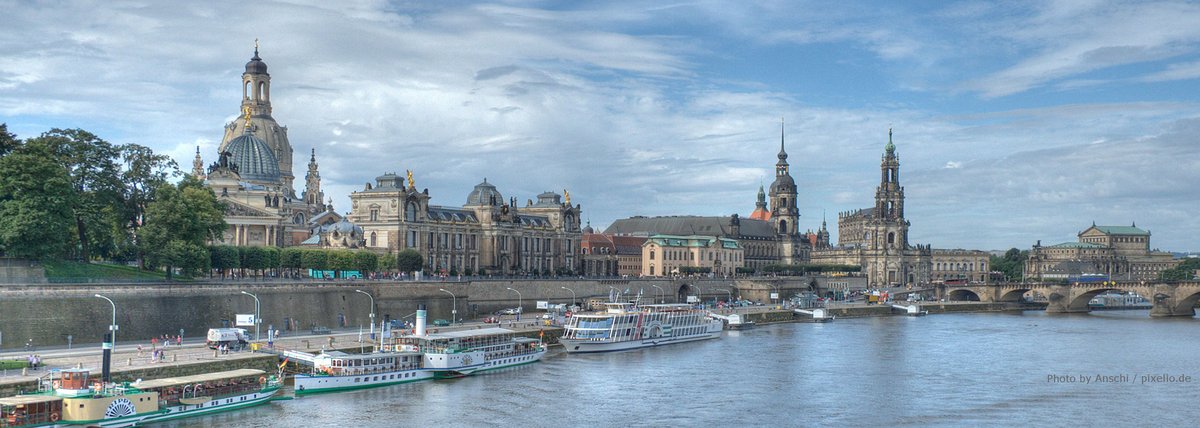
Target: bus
column 330, row 274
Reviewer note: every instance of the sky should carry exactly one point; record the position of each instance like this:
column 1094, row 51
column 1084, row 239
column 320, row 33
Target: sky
column 1014, row 121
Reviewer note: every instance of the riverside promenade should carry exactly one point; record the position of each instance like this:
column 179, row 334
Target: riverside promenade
column 194, row 356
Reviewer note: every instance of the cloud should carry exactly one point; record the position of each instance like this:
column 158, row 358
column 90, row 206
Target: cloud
column 953, row 165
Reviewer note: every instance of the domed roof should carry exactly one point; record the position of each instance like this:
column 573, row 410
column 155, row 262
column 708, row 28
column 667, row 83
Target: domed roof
column 588, row 228
column 783, row 183
column 345, row 227
column 485, row 194
column 256, row 65
column 254, row 158
column 890, row 148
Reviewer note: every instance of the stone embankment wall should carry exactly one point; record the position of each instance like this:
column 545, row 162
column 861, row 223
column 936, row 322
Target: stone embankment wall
column 48, row 313
column 21, row 271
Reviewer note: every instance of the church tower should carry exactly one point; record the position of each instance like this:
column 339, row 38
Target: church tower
column 784, row 214
column 889, row 202
column 312, row 184
column 256, row 103
column 198, row 166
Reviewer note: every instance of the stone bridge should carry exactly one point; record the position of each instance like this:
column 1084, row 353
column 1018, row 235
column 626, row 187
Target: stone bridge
column 1170, row 299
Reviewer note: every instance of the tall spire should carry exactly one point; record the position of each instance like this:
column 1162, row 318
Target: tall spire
column 782, row 153
column 891, row 148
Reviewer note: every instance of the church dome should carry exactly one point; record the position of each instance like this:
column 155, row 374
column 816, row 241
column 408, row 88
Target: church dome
column 588, row 229
column 256, row 65
column 254, row 158
column 783, row 184
column 485, row 194
column 345, row 227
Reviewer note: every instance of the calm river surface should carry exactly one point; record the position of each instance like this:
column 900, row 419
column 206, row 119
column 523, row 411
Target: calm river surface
column 944, row 370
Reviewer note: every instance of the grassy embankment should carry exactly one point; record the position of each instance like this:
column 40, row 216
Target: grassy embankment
column 63, row 271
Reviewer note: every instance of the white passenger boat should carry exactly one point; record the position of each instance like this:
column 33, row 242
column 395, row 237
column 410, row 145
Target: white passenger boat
column 625, row 326
column 420, row 356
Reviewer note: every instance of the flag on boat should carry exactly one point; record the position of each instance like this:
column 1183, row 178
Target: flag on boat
column 541, row 333
column 284, row 363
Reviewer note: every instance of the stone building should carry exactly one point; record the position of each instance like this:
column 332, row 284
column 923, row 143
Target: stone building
column 253, row 172
column 665, row 255
column 967, row 265
column 1118, row 252
column 876, row 238
column 610, row 255
column 767, row 237
column 485, row 234
column 341, row 234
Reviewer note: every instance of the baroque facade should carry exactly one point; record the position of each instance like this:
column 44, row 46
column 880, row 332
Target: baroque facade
column 767, row 237
column 253, row 173
column 609, row 255
column 1118, row 252
column 664, row 255
column 876, row 238
column 485, row 234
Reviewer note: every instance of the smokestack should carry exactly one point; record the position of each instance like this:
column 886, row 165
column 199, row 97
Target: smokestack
column 420, row 330
column 107, row 346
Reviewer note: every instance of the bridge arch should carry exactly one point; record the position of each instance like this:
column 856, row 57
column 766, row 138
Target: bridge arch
column 963, row 294
column 1014, row 295
column 1080, row 302
column 1187, row 304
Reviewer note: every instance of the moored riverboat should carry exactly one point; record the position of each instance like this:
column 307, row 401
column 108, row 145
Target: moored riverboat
column 420, row 356
column 71, row 398
column 623, row 326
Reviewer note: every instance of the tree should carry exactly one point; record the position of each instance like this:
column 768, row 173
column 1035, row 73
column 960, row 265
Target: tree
column 224, row 258
column 365, row 261
column 290, row 259
column 35, row 201
column 8, row 142
column 1184, row 271
column 256, row 259
column 188, row 213
column 341, row 260
column 91, row 165
column 1012, row 263
column 144, row 171
column 314, row 259
column 409, row 260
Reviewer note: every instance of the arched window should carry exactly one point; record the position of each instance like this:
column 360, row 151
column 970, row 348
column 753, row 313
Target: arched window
column 246, row 90
column 410, row 211
column 373, row 239
column 783, row 226
column 261, row 94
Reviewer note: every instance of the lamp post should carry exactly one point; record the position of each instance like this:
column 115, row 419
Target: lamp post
column 664, row 293
column 453, row 305
column 256, row 320
column 699, row 293
column 520, row 307
column 112, row 327
column 372, row 331
column 615, row 292
column 572, row 294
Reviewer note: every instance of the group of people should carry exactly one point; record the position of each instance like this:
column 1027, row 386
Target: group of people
column 35, row 361
column 165, row 340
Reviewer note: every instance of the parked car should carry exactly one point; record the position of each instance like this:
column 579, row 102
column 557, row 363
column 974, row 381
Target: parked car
column 511, row 311
column 441, row 323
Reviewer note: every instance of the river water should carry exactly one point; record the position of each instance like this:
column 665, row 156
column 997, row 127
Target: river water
column 987, row 369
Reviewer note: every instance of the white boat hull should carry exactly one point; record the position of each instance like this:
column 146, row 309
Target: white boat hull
column 577, row 346
column 311, row 384
column 214, row 406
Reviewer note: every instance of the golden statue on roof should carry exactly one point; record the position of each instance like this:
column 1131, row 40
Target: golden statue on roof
column 246, row 116
column 411, row 185
column 567, row 195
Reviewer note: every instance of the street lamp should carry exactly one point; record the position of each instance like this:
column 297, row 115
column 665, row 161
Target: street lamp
column 372, row 312
column 256, row 320
column 664, row 293
column 453, row 305
column 615, row 292
column 520, row 307
column 572, row 294
column 112, row 327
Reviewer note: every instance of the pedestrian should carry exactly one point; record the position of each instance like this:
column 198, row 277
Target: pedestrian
column 139, row 350
column 179, row 340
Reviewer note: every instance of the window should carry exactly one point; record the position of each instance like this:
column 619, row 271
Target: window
column 374, row 214
column 652, row 256
column 373, row 239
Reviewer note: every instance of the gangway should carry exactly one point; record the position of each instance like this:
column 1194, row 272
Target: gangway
column 299, row 357
column 732, row 321
column 818, row 314
column 911, row 310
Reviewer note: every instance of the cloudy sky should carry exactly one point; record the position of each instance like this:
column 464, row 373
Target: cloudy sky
column 1013, row 123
